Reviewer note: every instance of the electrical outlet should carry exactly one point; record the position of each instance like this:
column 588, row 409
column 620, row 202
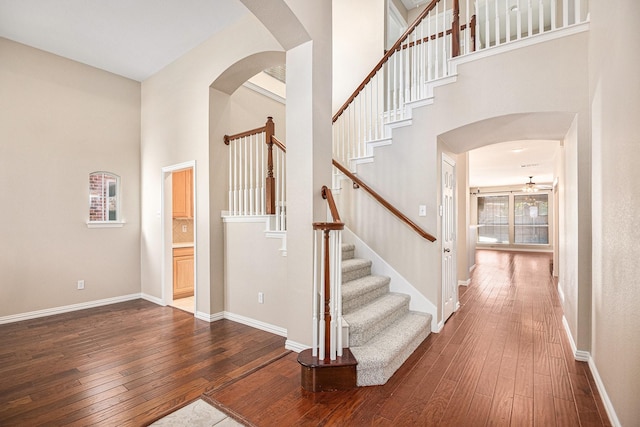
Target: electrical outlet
column 260, row 298
column 422, row 210
column 80, row 284
column 184, row 228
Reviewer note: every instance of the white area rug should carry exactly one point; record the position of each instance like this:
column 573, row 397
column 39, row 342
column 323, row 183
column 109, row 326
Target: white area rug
column 197, row 414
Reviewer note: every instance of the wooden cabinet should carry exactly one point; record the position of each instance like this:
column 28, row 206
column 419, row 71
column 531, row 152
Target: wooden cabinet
column 182, row 184
column 182, row 272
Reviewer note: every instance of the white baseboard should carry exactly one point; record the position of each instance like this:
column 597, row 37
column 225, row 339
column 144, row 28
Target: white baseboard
column 66, row 308
column 209, row 317
column 613, row 417
column 560, row 293
column 579, row 355
column 256, row 324
column 295, row 346
column 153, row 299
column 464, row 282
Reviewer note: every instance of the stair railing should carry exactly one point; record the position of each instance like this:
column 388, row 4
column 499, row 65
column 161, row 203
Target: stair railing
column 327, row 284
column 257, row 174
column 442, row 31
column 402, row 217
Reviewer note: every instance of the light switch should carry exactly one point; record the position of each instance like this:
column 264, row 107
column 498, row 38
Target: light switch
column 422, row 210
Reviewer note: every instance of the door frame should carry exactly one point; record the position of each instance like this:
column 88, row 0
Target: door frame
column 456, row 304
column 167, row 229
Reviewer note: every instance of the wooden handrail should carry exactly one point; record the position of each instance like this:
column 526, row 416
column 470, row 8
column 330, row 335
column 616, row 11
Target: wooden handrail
column 328, row 196
column 386, row 56
column 228, row 138
column 278, row 143
column 383, row 202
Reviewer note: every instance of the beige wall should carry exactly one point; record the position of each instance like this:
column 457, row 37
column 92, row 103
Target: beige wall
column 60, row 121
column 615, row 108
column 254, row 263
column 358, row 34
column 177, row 126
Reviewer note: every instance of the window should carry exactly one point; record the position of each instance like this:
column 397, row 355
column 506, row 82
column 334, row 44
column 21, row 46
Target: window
column 493, row 219
column 513, row 219
column 531, row 219
column 104, row 199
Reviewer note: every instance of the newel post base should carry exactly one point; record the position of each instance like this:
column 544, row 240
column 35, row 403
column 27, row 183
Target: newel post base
column 327, row 375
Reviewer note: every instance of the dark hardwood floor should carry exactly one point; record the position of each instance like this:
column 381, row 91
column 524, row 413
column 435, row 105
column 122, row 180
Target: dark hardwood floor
column 501, row 359
column 122, row 364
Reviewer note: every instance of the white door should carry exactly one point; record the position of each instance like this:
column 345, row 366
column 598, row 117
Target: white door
column 449, row 279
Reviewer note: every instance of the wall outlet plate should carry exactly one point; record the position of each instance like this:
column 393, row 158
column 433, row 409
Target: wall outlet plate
column 80, row 284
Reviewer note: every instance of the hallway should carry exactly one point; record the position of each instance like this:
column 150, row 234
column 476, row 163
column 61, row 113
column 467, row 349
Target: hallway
column 502, row 359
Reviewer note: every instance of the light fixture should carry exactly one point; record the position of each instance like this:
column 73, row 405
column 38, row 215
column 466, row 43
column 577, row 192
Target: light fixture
column 530, row 187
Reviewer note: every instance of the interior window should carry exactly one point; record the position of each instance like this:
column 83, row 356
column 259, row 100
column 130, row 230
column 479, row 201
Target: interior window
column 104, row 197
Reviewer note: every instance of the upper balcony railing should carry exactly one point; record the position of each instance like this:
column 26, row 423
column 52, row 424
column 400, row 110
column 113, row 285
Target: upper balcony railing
column 257, row 174
column 445, row 29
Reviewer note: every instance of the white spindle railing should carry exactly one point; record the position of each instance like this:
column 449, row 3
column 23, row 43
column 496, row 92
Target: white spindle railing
column 250, row 166
column 327, row 285
column 422, row 56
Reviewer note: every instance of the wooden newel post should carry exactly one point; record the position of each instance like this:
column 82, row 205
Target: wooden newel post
column 327, row 294
column 270, row 180
column 455, row 30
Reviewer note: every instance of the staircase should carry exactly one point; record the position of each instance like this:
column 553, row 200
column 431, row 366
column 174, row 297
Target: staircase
column 382, row 331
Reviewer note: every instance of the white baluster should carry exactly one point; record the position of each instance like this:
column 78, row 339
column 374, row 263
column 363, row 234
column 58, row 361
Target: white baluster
column 497, row 31
column 507, row 22
column 332, row 296
column 429, row 60
column 529, row 18
column 519, row 22
column 230, row 205
column 251, row 189
column 576, row 6
column 339, row 292
column 235, row 178
column 314, row 345
column 540, row 17
column 553, row 14
column 487, row 25
column 321, row 350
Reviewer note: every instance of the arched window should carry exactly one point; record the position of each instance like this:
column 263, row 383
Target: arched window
column 104, row 199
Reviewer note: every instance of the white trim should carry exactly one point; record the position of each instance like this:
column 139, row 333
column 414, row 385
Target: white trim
column 209, row 317
column 152, row 299
column 105, row 224
column 262, row 91
column 256, row 324
column 167, row 170
column 295, row 346
column 244, row 218
column 464, row 282
column 398, row 283
column 517, row 44
column 66, row 308
column 580, row 355
column 560, row 293
column 613, row 417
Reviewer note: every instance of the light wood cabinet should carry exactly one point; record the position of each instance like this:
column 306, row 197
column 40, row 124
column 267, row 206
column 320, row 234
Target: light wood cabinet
column 182, row 183
column 182, row 272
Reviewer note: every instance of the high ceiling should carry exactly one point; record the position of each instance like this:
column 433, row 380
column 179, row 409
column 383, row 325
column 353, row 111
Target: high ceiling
column 134, row 39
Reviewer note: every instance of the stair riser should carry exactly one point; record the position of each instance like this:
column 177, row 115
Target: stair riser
column 356, row 274
column 349, row 305
column 347, row 254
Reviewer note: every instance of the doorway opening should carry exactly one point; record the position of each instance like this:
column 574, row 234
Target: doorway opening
column 179, row 236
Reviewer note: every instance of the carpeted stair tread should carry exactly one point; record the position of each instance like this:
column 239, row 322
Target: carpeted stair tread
column 380, row 357
column 371, row 319
column 355, row 268
column 362, row 291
